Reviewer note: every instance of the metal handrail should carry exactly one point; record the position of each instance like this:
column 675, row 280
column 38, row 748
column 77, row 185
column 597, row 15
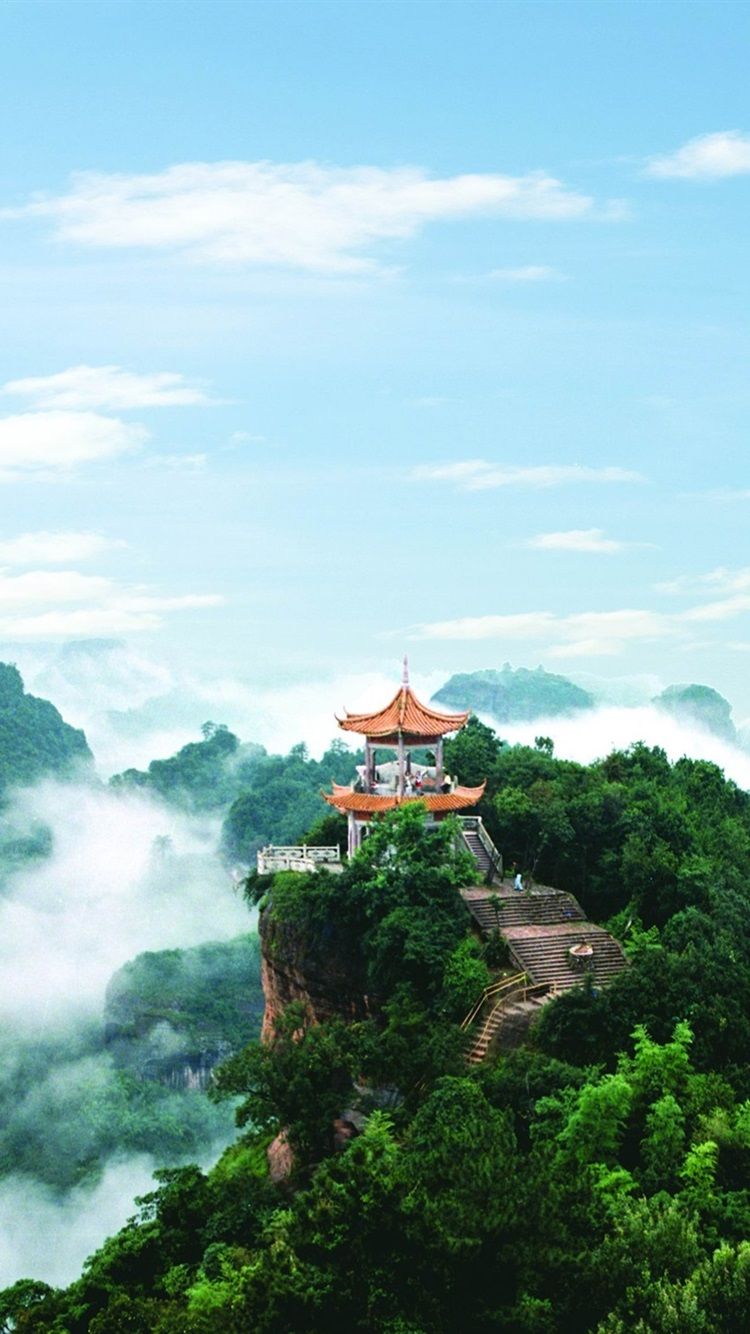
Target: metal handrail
column 522, row 994
column 492, row 990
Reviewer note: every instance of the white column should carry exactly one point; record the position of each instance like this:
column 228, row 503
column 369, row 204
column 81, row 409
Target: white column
column 439, row 765
column 401, row 764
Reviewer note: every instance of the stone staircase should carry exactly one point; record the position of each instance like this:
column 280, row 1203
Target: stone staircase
column 506, row 1025
column 507, row 907
column 540, row 927
column 480, row 845
column 543, row 953
column 478, row 852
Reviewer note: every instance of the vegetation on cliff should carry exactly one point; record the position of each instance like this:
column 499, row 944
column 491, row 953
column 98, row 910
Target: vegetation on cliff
column 701, row 705
column 70, row 1101
column 517, row 695
column 595, row 1180
column 261, row 798
column 35, row 742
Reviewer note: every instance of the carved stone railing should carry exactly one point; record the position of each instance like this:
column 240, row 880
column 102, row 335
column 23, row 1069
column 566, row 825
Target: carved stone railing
column 297, row 857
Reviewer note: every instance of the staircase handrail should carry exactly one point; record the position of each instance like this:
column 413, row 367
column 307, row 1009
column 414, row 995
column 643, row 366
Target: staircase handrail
column 522, row 993
column 492, row 990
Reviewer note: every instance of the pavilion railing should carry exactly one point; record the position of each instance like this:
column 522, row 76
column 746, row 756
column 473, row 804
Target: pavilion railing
column 296, row 857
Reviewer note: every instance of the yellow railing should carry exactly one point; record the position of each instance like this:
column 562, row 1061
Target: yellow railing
column 494, row 989
column 514, row 990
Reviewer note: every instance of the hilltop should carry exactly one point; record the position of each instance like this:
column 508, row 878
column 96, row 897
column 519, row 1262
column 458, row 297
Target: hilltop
column 35, row 741
column 517, row 695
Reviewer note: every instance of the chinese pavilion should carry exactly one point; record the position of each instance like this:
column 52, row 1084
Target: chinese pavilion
column 405, row 724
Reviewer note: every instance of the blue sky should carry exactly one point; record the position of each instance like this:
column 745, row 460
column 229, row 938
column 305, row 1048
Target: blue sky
column 331, row 331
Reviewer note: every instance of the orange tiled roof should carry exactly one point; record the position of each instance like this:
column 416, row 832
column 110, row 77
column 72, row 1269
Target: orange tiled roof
column 365, row 803
column 405, row 714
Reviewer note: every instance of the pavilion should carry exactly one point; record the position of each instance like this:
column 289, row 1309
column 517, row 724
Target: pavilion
column 403, row 725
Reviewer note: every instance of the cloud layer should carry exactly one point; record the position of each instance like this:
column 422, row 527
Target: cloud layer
column 110, row 387
column 480, row 475
column 301, row 215
column 58, row 548
column 708, row 157
column 576, row 539
column 42, row 443
column 602, row 633
column 103, row 897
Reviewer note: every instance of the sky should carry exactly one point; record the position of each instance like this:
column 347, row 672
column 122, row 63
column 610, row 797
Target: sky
column 334, row 331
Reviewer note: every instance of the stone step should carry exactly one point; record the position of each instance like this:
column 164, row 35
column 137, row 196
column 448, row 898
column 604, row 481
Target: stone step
column 507, row 1026
column 524, row 909
column 545, row 957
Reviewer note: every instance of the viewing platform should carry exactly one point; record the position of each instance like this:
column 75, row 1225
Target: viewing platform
column 300, row 857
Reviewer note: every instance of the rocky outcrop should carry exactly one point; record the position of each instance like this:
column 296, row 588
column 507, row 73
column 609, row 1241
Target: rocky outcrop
column 320, row 973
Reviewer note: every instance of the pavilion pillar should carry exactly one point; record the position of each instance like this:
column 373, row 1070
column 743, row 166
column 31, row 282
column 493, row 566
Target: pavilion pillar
column 352, row 834
column 439, row 764
column 401, row 764
column 368, row 766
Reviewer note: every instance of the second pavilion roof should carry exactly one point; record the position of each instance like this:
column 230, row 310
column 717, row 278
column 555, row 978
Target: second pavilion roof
column 404, row 715
column 368, row 804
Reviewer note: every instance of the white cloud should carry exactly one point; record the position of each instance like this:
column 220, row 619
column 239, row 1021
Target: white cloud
column 575, row 539
column 299, row 215
column 34, row 442
column 479, row 475
column 591, row 735
column 51, row 586
column 178, row 462
column 588, row 634
column 118, row 614
column 719, row 611
column 529, row 273
column 109, row 387
column 582, row 634
column 718, row 580
column 705, row 158
column 525, row 625
column 53, row 604
column 45, row 548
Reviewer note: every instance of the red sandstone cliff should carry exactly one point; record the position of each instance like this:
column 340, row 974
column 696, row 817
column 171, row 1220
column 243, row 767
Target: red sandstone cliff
column 296, row 968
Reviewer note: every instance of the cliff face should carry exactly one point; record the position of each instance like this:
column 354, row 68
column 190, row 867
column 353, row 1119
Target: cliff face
column 296, row 967
column 172, row 1016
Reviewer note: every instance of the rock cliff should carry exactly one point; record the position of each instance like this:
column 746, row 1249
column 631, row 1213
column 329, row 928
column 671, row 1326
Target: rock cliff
column 297, row 966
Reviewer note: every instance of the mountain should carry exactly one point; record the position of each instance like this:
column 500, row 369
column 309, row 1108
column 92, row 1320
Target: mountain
column 699, row 705
column 171, row 1015
column 35, row 741
column 514, row 696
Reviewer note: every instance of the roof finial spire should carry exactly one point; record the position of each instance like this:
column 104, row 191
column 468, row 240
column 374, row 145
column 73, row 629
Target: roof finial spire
column 405, row 677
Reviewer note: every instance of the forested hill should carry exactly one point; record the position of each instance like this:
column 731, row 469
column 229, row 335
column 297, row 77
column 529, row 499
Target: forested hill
column 595, row 1180
column 701, row 705
column 35, row 741
column 262, row 798
column 514, row 696
column 520, row 695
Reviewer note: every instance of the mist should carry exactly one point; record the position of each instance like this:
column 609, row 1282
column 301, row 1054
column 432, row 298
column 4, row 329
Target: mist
column 588, row 736
column 125, row 875
column 46, row 1237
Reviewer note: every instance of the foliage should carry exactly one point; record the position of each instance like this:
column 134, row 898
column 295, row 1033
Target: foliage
column 597, row 1181
column 281, row 796
column 203, row 775
column 34, row 740
column 514, row 696
column 68, row 1102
